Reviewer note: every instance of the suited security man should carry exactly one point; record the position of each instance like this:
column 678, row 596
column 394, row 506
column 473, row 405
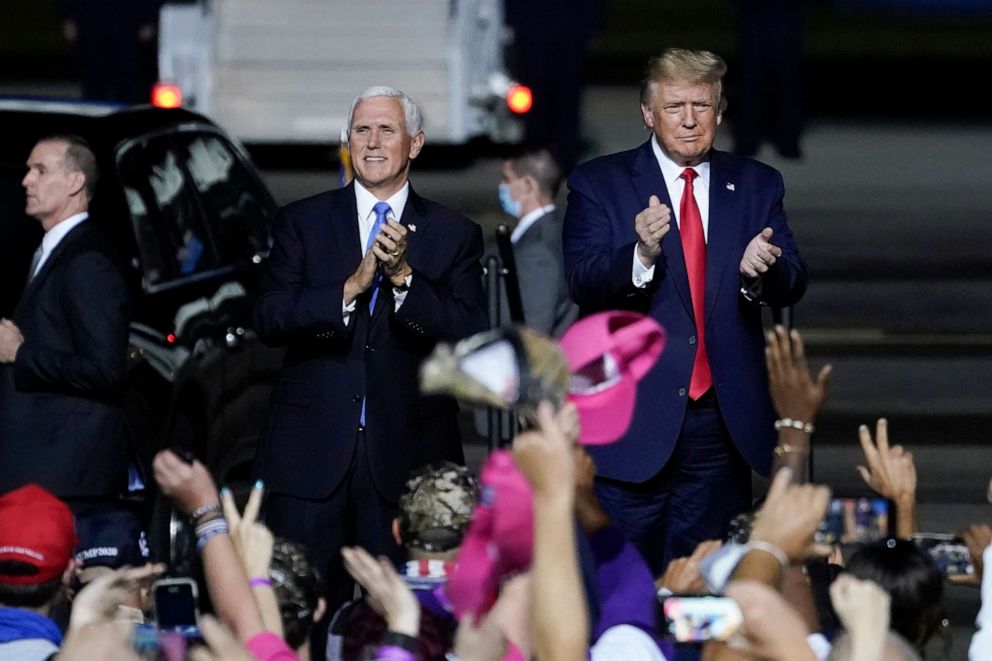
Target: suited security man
column 63, row 352
column 704, row 418
column 530, row 182
column 362, row 282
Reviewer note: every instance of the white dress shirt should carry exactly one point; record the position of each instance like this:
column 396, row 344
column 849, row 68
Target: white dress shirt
column 675, row 183
column 529, row 219
column 55, row 235
column 365, row 202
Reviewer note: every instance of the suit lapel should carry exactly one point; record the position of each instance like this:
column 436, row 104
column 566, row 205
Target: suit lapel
column 724, row 211
column 344, row 221
column 648, row 181
column 49, row 264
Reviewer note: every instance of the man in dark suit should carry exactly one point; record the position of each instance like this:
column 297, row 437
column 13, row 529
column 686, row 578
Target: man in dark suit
column 63, row 353
column 362, row 282
column 703, row 417
column 530, row 182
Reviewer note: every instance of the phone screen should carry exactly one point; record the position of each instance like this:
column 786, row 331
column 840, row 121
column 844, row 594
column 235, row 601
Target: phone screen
column 949, row 553
column 851, row 520
column 175, row 605
column 697, row 619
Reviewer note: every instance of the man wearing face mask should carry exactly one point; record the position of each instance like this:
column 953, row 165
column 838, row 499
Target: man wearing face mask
column 530, row 181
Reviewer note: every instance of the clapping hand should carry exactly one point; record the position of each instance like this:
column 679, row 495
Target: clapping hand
column 651, row 226
column 760, row 254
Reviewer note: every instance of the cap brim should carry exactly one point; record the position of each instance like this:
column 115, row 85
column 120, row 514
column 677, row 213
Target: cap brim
column 605, row 416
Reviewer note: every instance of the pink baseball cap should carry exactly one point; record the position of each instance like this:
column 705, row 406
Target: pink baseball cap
column 499, row 541
column 608, row 354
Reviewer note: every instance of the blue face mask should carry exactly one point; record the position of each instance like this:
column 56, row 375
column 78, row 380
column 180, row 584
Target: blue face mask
column 508, row 204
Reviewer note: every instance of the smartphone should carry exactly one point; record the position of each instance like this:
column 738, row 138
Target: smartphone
column 694, row 619
column 948, row 552
column 176, row 605
column 856, row 520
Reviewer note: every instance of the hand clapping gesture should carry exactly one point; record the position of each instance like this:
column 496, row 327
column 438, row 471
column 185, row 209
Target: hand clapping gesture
column 760, row 254
column 651, row 226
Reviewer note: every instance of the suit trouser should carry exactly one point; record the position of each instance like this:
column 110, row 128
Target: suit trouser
column 354, row 514
column 703, row 486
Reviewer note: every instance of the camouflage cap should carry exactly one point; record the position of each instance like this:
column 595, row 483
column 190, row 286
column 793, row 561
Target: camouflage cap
column 436, row 507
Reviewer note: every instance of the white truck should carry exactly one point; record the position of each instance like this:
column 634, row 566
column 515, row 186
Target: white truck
column 286, row 71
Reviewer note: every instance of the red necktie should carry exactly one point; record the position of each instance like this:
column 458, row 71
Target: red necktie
column 694, row 248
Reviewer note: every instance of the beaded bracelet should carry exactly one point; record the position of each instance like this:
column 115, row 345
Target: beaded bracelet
column 794, row 424
column 209, row 530
column 206, row 509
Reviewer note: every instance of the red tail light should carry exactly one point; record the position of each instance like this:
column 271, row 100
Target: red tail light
column 166, row 96
column 519, row 99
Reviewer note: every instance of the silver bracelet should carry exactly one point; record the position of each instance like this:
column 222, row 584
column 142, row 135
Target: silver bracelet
column 771, row 549
column 794, row 424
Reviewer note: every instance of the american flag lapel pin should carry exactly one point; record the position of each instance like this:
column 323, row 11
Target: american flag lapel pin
column 730, row 186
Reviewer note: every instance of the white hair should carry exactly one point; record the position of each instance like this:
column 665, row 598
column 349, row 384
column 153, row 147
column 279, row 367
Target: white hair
column 411, row 113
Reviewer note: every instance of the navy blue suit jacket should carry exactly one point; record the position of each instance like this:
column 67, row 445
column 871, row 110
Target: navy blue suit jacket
column 311, row 433
column 61, row 402
column 599, row 240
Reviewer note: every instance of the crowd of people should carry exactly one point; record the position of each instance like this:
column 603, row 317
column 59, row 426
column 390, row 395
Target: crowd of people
column 620, row 522
column 570, row 587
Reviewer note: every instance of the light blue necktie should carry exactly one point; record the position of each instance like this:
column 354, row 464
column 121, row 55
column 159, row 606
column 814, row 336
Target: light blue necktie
column 381, row 211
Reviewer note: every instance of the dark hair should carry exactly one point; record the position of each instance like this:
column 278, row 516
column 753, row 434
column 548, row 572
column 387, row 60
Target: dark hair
column 365, row 629
column 912, row 580
column 294, row 582
column 79, row 157
column 539, row 164
column 26, row 596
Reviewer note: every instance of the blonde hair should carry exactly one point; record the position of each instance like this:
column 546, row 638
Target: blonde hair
column 685, row 65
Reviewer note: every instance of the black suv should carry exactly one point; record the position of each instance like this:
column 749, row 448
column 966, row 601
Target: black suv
column 189, row 217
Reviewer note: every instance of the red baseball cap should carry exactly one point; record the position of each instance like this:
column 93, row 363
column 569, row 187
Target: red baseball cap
column 36, row 528
column 499, row 541
column 608, row 354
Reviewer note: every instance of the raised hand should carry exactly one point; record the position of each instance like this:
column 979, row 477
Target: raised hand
column 682, row 576
column 388, row 594
column 790, row 515
column 794, row 393
column 890, row 471
column 188, row 485
column 252, row 540
column 863, row 609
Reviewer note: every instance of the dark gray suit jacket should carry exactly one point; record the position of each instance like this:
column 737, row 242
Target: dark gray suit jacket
column 541, row 274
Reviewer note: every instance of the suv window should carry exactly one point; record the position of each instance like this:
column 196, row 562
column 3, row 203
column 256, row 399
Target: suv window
column 195, row 206
column 172, row 238
column 232, row 198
